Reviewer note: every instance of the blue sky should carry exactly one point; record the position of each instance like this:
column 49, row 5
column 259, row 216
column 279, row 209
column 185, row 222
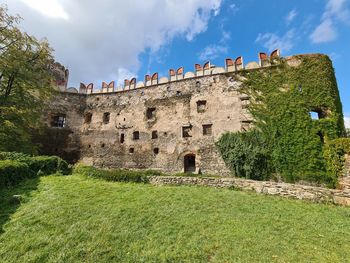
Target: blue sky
column 114, row 39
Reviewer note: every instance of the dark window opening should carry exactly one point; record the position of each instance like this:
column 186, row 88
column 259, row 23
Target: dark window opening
column 187, row 131
column 154, row 134
column 190, row 163
column 178, row 93
column 156, row 151
column 59, row 121
column 207, row 129
column 136, row 135
column 103, row 145
column 131, row 150
column 89, row 145
column 151, row 113
column 165, row 134
column 97, row 98
column 201, row 105
column 87, row 117
column 106, row 117
column 320, row 134
column 122, row 138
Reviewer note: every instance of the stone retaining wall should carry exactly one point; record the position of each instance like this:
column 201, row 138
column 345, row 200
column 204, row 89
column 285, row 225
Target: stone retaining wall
column 310, row 193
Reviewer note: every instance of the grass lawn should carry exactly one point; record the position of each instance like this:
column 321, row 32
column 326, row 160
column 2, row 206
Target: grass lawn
column 76, row 219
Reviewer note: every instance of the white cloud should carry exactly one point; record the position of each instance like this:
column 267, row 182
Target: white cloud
column 50, row 8
column 337, row 9
column 290, row 17
column 326, row 31
column 272, row 41
column 100, row 39
column 233, row 8
column 213, row 51
column 347, row 122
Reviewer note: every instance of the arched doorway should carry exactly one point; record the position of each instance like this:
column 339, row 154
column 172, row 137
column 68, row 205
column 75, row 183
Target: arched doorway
column 190, row 163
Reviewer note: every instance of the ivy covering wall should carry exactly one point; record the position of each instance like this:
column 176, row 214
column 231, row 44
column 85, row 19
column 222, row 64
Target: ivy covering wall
column 282, row 97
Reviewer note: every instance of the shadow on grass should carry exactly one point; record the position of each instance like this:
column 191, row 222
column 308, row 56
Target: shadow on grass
column 9, row 203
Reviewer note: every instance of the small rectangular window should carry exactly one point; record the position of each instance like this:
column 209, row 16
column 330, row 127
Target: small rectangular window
column 106, row 117
column 207, row 129
column 59, row 121
column 201, row 106
column 87, row 117
column 151, row 113
column 154, row 134
column 122, row 138
column 187, row 131
column 136, row 135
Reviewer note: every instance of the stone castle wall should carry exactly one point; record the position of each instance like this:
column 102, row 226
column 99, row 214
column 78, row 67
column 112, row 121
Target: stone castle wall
column 168, row 110
column 302, row 192
column 170, row 124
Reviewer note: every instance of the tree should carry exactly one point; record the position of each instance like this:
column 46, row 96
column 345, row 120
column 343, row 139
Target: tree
column 25, row 83
column 348, row 132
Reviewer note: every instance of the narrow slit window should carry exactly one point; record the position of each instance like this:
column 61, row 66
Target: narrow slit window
column 122, row 138
column 87, row 117
column 106, row 117
column 136, row 135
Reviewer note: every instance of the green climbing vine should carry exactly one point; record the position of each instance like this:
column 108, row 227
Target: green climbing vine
column 282, row 98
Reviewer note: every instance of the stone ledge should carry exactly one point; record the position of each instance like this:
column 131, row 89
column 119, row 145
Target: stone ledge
column 295, row 191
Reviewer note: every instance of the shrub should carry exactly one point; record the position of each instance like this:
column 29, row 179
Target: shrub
column 12, row 172
column 15, row 156
column 116, row 175
column 47, row 164
column 246, row 154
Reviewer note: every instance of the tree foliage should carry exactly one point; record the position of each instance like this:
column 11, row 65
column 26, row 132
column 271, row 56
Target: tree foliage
column 25, row 83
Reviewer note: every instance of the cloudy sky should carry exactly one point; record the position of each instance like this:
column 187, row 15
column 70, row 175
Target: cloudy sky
column 115, row 39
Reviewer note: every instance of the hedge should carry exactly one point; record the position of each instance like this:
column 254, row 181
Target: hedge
column 45, row 164
column 15, row 167
column 116, row 175
column 12, row 172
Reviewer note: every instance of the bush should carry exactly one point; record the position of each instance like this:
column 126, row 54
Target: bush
column 15, row 156
column 47, row 164
column 116, row 175
column 12, row 172
column 246, row 154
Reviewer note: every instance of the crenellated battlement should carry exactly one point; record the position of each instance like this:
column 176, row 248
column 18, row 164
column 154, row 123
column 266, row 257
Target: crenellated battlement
column 231, row 65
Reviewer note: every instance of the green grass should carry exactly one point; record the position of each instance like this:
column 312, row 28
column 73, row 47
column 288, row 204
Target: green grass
column 79, row 219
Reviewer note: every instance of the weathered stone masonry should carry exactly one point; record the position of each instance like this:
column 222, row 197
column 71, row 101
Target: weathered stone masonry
column 170, row 124
column 302, row 192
